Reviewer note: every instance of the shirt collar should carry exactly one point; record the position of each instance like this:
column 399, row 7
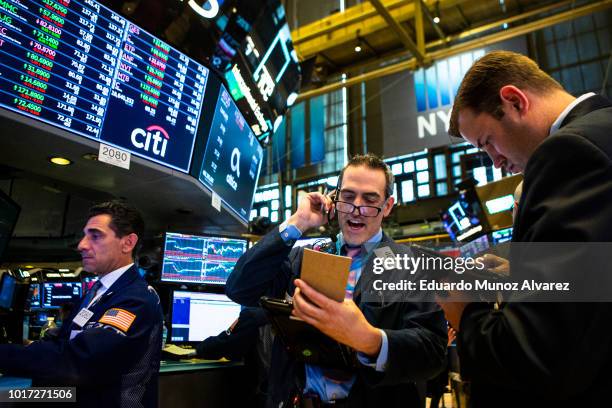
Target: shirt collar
column 557, row 123
column 376, row 238
column 111, row 277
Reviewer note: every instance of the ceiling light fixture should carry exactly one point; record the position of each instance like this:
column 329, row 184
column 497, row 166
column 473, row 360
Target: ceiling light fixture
column 358, row 48
column 60, row 161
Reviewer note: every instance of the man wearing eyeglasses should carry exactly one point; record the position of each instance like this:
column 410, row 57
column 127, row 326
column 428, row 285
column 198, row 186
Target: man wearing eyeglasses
column 399, row 345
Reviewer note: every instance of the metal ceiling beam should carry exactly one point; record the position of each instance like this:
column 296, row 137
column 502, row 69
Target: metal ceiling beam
column 403, row 36
column 401, row 55
column 341, row 28
column 419, row 27
column 429, row 17
column 411, row 64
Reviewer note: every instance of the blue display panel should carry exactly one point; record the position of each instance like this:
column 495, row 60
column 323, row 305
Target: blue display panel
column 233, row 157
column 197, row 316
column 200, row 259
column 56, row 294
column 77, row 65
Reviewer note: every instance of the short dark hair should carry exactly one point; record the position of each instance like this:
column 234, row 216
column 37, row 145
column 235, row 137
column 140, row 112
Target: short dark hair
column 374, row 162
column 125, row 218
column 479, row 89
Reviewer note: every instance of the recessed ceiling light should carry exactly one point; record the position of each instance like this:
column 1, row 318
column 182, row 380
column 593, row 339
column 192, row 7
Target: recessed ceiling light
column 60, row 161
column 90, row 156
column 357, row 48
column 436, row 19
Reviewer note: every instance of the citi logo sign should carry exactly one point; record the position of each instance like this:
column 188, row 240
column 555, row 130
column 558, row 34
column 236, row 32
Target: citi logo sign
column 153, row 139
column 436, row 87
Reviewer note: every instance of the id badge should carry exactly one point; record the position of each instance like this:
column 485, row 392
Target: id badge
column 82, row 317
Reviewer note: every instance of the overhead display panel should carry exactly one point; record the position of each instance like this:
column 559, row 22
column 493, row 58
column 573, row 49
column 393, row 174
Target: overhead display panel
column 232, row 158
column 77, row 65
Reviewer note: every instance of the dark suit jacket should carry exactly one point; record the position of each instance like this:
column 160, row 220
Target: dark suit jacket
column 551, row 354
column 109, row 366
column 415, row 328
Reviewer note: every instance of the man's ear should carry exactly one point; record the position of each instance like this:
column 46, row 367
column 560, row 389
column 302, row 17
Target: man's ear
column 129, row 242
column 514, row 100
column 388, row 206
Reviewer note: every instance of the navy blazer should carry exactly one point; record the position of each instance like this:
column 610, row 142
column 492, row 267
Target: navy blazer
column 110, row 364
column 415, row 327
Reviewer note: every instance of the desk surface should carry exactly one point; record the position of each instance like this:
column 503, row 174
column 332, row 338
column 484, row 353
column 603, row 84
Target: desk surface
column 7, row 382
column 167, row 366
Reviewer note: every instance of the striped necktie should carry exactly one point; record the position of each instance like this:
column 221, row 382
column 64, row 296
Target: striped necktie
column 353, row 253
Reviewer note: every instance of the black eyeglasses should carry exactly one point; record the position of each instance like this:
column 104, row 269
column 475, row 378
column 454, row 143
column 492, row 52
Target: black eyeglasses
column 364, row 210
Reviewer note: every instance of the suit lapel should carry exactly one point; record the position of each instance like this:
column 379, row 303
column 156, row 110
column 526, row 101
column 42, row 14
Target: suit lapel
column 591, row 104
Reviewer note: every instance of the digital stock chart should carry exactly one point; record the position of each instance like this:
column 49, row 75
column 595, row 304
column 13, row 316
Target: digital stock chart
column 200, row 259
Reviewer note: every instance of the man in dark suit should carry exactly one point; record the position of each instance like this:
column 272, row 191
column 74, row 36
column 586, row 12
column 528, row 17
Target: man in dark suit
column 110, row 346
column 545, row 353
column 399, row 344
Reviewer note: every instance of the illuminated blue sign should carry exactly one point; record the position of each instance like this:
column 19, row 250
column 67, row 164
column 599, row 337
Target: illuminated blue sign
column 437, row 85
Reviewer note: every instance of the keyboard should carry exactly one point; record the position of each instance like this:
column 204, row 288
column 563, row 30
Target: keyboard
column 179, row 352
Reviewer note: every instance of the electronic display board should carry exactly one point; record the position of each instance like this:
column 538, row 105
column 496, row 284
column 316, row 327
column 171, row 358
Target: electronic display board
column 200, row 259
column 77, row 65
column 232, row 158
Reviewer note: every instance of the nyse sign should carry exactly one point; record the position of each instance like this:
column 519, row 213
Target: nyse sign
column 416, row 106
column 431, row 123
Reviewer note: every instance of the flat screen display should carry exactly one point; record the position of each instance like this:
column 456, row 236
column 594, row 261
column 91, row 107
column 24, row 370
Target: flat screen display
column 464, row 220
column 55, row 294
column 232, row 158
column 197, row 316
column 34, row 296
column 7, row 291
column 200, row 259
column 79, row 66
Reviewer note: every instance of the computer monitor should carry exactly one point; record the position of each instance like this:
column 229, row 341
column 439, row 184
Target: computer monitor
column 34, row 296
column 200, row 259
column 197, row 315
column 55, row 294
column 464, row 219
column 504, row 235
column 7, row 291
column 9, row 212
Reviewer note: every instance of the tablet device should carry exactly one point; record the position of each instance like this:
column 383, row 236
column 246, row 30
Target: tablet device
column 303, row 341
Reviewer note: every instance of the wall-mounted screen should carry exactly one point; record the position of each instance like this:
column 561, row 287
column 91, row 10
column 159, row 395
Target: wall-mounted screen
column 81, row 67
column 55, row 294
column 232, row 158
column 200, row 259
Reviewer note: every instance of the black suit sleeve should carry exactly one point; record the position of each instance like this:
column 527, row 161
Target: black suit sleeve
column 540, row 346
column 264, row 270
column 98, row 355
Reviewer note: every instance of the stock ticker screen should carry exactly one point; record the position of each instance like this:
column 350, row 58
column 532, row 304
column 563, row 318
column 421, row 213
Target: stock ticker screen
column 232, row 158
column 200, row 259
column 79, row 66
column 56, row 294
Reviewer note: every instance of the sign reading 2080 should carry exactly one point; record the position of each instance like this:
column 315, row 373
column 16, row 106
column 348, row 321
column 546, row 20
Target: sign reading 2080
column 79, row 66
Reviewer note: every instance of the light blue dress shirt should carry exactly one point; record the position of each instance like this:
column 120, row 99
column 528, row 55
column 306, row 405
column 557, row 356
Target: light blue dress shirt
column 327, row 389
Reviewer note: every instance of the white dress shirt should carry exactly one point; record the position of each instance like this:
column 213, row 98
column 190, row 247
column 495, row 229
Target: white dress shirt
column 108, row 280
column 557, row 123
